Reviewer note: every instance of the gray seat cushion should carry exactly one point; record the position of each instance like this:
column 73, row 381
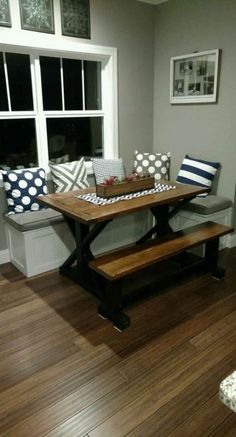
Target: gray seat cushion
column 209, row 204
column 28, row 221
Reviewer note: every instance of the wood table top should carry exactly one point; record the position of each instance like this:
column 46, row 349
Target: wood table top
column 86, row 212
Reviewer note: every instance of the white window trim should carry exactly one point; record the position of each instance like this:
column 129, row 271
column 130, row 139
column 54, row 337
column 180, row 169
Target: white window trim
column 108, row 56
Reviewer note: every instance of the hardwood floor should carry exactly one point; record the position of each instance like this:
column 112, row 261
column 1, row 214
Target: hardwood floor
column 66, row 372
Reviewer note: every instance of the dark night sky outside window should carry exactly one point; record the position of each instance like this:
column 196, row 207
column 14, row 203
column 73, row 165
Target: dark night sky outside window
column 18, row 143
column 51, row 83
column 3, row 90
column 72, row 84
column 19, row 76
column 75, row 137
column 92, row 79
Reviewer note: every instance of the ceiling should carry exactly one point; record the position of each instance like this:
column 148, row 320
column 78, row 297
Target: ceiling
column 153, row 2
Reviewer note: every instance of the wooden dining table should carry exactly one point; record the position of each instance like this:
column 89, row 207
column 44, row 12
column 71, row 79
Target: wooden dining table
column 87, row 213
column 87, row 220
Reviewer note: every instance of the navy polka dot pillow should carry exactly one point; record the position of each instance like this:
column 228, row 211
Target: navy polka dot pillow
column 22, row 187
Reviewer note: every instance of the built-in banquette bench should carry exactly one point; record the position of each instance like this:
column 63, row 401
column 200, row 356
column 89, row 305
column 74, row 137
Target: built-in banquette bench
column 38, row 241
column 213, row 208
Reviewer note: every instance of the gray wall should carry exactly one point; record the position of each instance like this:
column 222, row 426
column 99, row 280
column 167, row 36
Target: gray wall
column 128, row 25
column 202, row 130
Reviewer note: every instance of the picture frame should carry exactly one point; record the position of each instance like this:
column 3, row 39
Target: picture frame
column 75, row 18
column 194, row 77
column 5, row 15
column 37, row 15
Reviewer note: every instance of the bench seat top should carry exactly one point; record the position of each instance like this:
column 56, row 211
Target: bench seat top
column 123, row 262
column 27, row 221
column 209, row 204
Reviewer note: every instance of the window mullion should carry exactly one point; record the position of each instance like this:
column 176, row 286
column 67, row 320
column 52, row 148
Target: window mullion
column 41, row 125
column 33, row 81
column 83, row 87
column 62, row 85
column 59, row 114
column 7, row 81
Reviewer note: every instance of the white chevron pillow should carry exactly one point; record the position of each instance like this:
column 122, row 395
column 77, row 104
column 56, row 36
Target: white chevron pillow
column 69, row 176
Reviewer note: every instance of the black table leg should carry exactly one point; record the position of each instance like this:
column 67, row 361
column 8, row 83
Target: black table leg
column 161, row 215
column 180, row 205
column 211, row 259
column 76, row 266
column 84, row 236
column 161, row 227
column 111, row 308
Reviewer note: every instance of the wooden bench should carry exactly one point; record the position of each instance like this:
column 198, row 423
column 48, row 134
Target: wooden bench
column 115, row 266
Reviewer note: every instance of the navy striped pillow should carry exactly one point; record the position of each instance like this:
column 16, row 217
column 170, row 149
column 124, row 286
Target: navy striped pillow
column 197, row 172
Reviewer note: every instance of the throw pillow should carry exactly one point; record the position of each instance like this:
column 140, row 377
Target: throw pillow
column 103, row 168
column 22, row 188
column 197, row 172
column 69, row 176
column 156, row 164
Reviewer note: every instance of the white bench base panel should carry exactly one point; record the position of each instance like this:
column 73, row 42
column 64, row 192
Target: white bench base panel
column 185, row 219
column 39, row 250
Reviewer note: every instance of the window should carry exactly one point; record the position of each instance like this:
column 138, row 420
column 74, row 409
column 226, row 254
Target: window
column 53, row 107
column 69, row 138
column 17, row 140
column 15, row 72
column 17, row 143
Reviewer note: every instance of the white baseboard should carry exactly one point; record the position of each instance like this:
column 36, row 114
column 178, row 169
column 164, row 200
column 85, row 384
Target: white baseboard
column 4, row 256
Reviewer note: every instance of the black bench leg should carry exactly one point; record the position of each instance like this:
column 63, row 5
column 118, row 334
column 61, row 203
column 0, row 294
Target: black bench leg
column 111, row 309
column 211, row 259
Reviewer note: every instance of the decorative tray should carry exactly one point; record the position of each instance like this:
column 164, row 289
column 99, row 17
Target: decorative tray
column 128, row 186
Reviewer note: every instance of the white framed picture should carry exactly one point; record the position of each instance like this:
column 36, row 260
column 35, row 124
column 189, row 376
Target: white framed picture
column 194, row 77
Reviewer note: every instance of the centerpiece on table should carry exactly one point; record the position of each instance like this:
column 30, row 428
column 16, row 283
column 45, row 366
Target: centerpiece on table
column 116, row 186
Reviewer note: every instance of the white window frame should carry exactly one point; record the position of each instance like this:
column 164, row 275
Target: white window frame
column 106, row 55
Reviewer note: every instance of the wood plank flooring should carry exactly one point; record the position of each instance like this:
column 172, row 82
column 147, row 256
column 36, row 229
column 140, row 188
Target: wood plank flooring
column 66, row 372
